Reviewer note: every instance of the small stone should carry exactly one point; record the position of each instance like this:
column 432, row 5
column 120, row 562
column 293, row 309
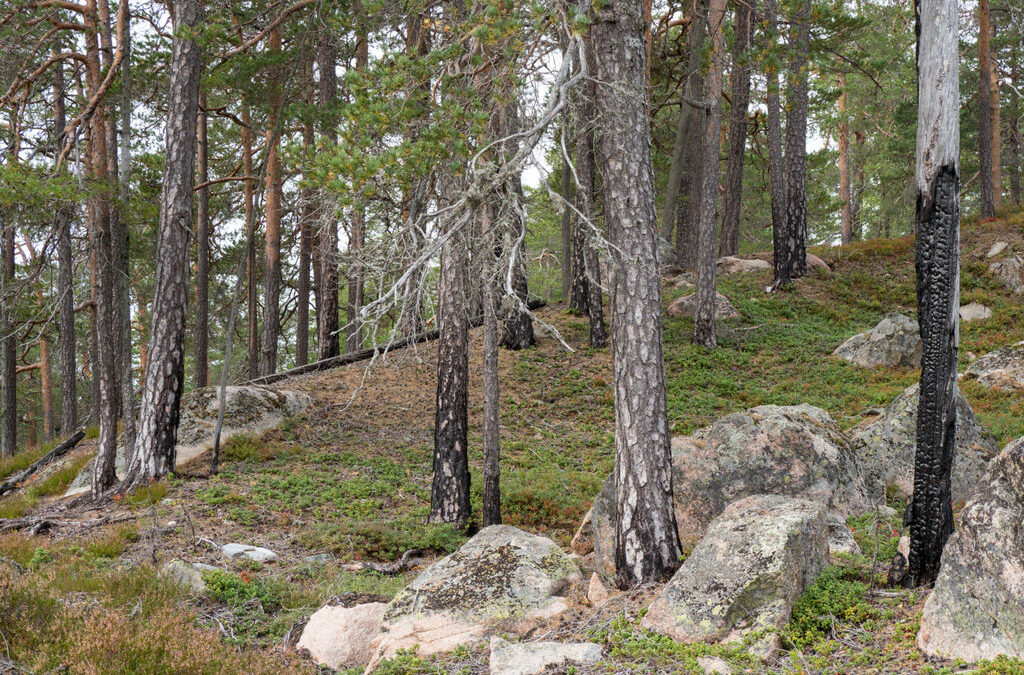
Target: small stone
column 1010, row 273
column 183, row 574
column 840, row 539
column 734, row 265
column 319, row 558
column 975, row 311
column 1002, row 369
column 818, row 265
column 204, row 567
column 903, row 547
column 894, row 343
column 996, row 249
column 597, row 593
column 533, row 658
column 257, row 553
column 342, row 637
column 713, row 664
column 171, row 523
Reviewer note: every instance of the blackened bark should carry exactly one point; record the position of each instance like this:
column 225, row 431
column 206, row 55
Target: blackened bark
column 938, row 285
column 740, row 88
column 985, row 151
column 704, row 311
column 796, row 146
column 65, row 282
column 326, row 252
column 202, row 373
column 449, row 496
column 646, row 539
column 272, row 241
column 161, row 397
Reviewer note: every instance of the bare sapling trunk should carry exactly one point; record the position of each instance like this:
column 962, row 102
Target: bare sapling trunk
column 740, row 98
column 202, row 372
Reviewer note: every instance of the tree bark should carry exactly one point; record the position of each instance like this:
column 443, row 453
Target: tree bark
column 646, row 539
column 249, row 206
column 997, row 139
column 796, row 146
column 122, row 236
column 326, row 252
column 272, row 243
column 843, row 136
column 566, row 192
column 938, row 284
column 491, row 427
column 202, row 373
column 63, row 215
column 740, row 87
column 9, row 443
column 1014, row 124
column 678, row 175
column 161, row 399
column 357, row 232
column 704, row 311
column 449, row 496
column 305, row 255
column 985, row 155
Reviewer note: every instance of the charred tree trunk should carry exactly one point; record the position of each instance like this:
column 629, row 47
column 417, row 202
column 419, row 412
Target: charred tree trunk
column 938, row 284
column 704, row 311
column 646, row 539
column 796, row 146
column 65, row 278
column 491, row 427
column 161, row 398
column 202, row 373
column 272, row 243
column 988, row 209
column 740, row 86
column 326, row 253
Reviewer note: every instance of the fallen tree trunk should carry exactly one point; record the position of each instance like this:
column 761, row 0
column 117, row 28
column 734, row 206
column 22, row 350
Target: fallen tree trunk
column 41, row 525
column 364, row 354
column 64, row 448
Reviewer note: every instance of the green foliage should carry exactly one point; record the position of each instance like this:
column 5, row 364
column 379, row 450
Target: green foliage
column 833, row 598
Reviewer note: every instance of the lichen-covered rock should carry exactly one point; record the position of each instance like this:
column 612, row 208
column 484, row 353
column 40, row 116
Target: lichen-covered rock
column 733, row 265
column 1002, row 369
column 756, row 559
column 817, row 265
column 533, row 658
column 257, row 553
column 1010, row 273
column 503, row 578
column 997, row 248
column 342, row 637
column 248, row 409
column 977, row 608
column 840, row 539
column 894, row 343
column 686, row 305
column 183, row 574
column 796, row 451
column 885, row 446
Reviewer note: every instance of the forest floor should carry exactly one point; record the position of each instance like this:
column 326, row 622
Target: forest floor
column 351, row 477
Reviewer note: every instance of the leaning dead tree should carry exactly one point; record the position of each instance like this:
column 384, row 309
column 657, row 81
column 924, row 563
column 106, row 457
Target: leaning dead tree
column 938, row 283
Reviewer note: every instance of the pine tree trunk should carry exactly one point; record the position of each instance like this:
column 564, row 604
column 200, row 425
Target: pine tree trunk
column 326, row 253
column 646, row 539
column 103, row 475
column 846, row 215
column 449, row 496
column 249, row 205
column 9, row 443
column 202, row 373
column 272, row 243
column 122, row 286
column 357, row 237
column 678, row 180
column 796, row 146
column 938, row 284
column 566, row 192
column 491, row 433
column 305, row 255
column 740, row 86
column 161, row 398
column 1015, row 182
column 704, row 310
column 65, row 282
column 997, row 138
column 988, row 209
